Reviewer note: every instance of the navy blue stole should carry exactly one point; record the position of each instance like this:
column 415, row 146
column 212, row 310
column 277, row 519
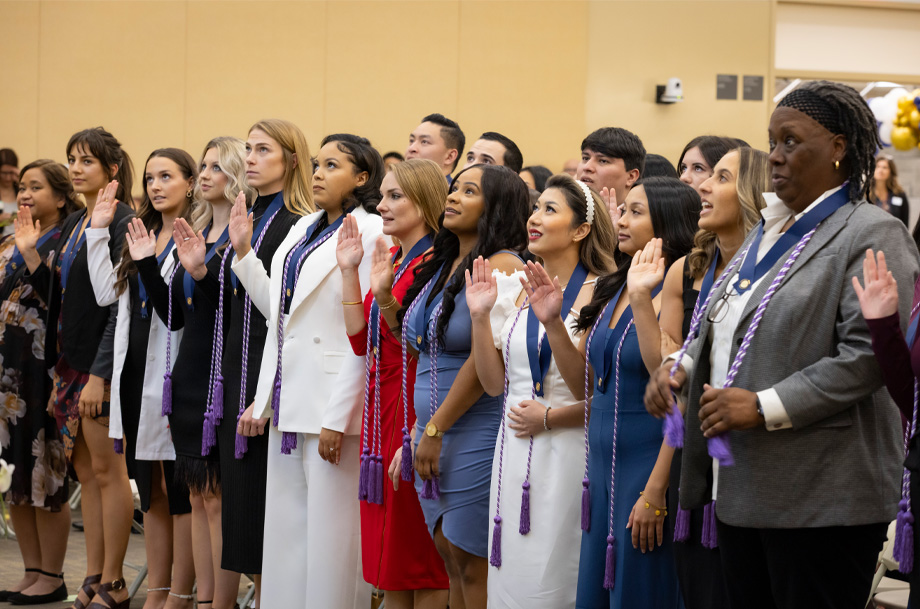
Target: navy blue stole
column 419, row 325
column 290, row 280
column 16, row 260
column 74, row 244
column 141, row 290
column 417, row 250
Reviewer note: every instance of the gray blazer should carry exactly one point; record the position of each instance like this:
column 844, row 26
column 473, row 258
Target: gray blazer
column 840, row 462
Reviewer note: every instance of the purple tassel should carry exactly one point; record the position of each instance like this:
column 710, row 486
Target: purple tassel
column 682, row 526
column 406, row 470
column 276, row 402
column 495, row 558
column 431, row 488
column 610, row 566
column 240, row 446
column 218, row 402
column 436, row 487
column 167, row 394
column 904, row 538
column 362, row 476
column 585, row 505
column 376, row 480
column 525, row 509
column 718, row 450
column 674, row 428
column 288, row 442
column 119, row 446
column 208, row 434
column 710, row 538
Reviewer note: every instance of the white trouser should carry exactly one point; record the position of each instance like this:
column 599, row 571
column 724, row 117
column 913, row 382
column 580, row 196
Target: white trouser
column 312, row 553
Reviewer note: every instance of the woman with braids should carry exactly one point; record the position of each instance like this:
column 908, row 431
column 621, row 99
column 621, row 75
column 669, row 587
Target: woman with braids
column 185, row 305
column 79, row 348
column 142, row 343
column 397, row 553
column 310, row 383
column 789, row 397
column 731, row 203
column 29, row 437
column 277, row 163
column 456, row 422
column 537, row 459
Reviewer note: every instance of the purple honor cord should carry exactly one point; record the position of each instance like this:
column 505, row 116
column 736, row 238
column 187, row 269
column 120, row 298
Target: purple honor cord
column 214, row 410
column 903, row 550
column 431, row 489
column 167, row 376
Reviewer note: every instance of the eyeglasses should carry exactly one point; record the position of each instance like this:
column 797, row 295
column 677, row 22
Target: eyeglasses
column 719, row 309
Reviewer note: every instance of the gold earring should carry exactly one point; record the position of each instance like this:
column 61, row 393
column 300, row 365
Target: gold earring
column 188, row 195
column 836, row 165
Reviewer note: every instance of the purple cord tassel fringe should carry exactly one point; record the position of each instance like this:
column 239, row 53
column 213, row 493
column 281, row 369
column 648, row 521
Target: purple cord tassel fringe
column 525, row 509
column 585, row 504
column 674, row 428
column 495, row 558
column 119, row 446
column 288, row 441
column 208, row 434
column 362, row 476
column 904, row 538
column 218, row 402
column 167, row 394
column 240, row 446
column 682, row 525
column 718, row 449
column 406, row 469
column 611, row 563
column 710, row 538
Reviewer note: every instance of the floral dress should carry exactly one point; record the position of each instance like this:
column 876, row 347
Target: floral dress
column 29, row 436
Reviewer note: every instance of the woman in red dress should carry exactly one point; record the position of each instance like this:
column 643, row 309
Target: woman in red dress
column 397, row 552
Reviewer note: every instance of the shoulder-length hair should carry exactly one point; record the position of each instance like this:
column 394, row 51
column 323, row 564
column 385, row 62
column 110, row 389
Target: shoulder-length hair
column 231, row 157
column 298, row 177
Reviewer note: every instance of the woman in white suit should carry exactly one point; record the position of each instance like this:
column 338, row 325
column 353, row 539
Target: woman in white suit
column 311, row 384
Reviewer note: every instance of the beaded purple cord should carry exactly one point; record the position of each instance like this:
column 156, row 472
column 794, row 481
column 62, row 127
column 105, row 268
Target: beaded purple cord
column 610, row 564
column 586, row 481
column 375, row 464
column 167, row 376
column 904, row 529
column 289, row 439
column 365, row 448
column 495, row 557
column 431, row 489
column 674, row 421
column 718, row 445
column 241, row 445
column 214, row 410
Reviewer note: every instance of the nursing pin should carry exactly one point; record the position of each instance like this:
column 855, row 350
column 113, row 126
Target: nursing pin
column 189, row 300
column 744, row 284
column 418, row 339
column 289, row 292
column 537, row 386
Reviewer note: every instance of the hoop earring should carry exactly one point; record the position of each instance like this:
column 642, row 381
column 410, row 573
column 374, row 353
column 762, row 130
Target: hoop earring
column 188, row 194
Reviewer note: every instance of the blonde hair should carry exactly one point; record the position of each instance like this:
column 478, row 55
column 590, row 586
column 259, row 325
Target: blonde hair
column 423, row 183
column 298, row 180
column 596, row 251
column 753, row 180
column 231, row 156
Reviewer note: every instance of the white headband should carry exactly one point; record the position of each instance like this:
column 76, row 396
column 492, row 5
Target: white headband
column 589, row 200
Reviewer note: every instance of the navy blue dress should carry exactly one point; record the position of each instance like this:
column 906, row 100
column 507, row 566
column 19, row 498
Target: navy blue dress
column 641, row 581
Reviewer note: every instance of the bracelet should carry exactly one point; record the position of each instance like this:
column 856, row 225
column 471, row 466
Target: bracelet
column 546, row 418
column 350, row 302
column 389, row 305
column 659, row 511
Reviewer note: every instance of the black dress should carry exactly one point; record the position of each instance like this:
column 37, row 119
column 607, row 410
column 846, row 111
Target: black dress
column 131, row 392
column 699, row 569
column 243, row 480
column 191, row 369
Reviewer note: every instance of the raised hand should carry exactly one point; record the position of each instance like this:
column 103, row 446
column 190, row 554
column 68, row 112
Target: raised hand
column 104, row 211
column 646, row 270
column 481, row 288
column 141, row 244
column 543, row 293
column 349, row 251
column 191, row 248
column 609, row 196
column 382, row 275
column 240, row 226
column 880, row 296
column 27, row 233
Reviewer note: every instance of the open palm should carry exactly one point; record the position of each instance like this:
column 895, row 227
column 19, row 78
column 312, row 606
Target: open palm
column 382, row 276
column 189, row 244
column 106, row 203
column 481, row 288
column 349, row 251
column 27, row 232
column 880, row 296
column 141, row 244
column 240, row 226
column 647, row 268
column 543, row 293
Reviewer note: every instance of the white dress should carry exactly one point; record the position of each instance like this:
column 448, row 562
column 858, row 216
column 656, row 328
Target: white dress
column 539, row 569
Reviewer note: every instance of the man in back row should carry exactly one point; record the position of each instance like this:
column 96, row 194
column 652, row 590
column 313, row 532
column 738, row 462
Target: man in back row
column 438, row 139
column 495, row 149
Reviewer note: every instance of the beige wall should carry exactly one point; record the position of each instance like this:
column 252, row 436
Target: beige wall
column 175, row 73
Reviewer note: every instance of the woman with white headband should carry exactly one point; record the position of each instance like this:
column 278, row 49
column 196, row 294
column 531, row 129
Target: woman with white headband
column 538, row 452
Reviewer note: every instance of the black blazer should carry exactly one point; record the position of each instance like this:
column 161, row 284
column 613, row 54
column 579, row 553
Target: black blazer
column 84, row 323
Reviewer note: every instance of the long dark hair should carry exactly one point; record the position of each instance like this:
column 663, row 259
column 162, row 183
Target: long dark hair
column 146, row 213
column 103, row 145
column 365, row 158
column 502, row 226
column 60, row 184
column 674, row 208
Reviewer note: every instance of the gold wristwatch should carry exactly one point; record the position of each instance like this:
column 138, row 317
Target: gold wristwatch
column 432, row 431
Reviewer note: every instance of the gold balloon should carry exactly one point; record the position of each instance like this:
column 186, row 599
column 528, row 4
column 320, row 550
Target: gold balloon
column 915, row 119
column 904, row 138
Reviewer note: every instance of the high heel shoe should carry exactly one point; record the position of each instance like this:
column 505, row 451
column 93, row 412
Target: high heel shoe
column 87, row 588
column 56, row 595
column 6, row 594
column 110, row 603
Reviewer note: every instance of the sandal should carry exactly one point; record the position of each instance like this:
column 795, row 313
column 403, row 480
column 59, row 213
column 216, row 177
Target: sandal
column 55, row 596
column 87, row 588
column 110, row 603
column 6, row 594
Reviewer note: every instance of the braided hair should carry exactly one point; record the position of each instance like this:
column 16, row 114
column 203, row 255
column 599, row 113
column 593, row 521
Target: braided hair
column 842, row 111
column 502, row 226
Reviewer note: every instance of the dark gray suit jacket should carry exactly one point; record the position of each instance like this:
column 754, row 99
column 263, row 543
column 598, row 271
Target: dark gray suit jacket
column 840, row 462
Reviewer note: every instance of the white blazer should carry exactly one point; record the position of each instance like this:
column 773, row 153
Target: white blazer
column 154, row 442
column 322, row 380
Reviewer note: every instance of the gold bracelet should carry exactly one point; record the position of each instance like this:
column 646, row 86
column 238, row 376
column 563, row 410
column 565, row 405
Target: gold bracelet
column 659, row 511
column 348, row 302
column 389, row 305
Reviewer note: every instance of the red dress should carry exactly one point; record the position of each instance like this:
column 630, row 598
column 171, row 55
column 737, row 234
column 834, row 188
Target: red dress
column 397, row 552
